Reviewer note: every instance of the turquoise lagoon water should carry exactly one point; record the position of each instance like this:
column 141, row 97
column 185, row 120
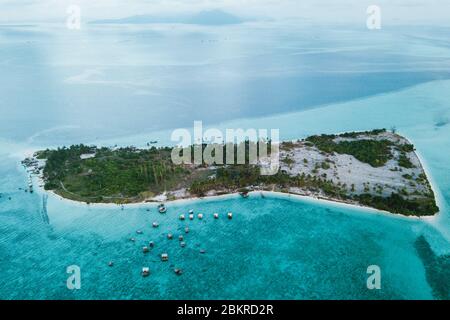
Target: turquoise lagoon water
column 274, row 247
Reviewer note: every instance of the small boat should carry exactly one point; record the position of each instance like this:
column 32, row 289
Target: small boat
column 164, row 257
column 191, row 211
column 182, row 217
column 110, row 264
column 202, row 251
column 151, row 244
column 182, row 244
column 180, row 238
column 169, row 236
column 216, row 216
column 191, row 216
column 139, row 232
column 132, row 239
column 178, row 272
column 186, row 230
column 155, row 224
column 200, row 216
column 162, row 208
column 145, row 249
column 244, row 194
column 145, row 272
column 230, row 215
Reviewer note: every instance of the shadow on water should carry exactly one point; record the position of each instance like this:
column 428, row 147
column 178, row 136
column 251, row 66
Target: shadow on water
column 437, row 269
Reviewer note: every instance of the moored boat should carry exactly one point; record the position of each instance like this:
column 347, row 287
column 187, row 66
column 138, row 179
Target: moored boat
column 178, row 271
column 145, row 272
column 162, row 208
column 244, row 194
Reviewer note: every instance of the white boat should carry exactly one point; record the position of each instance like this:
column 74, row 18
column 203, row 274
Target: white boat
column 162, row 208
column 145, row 272
column 155, row 224
column 164, row 257
column 191, row 216
column 216, row 216
column 200, row 216
column 230, row 215
column 191, row 211
column 181, row 216
column 169, row 236
column 186, row 230
column 145, row 249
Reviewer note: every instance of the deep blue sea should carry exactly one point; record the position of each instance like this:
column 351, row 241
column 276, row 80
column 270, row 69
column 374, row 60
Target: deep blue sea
column 132, row 84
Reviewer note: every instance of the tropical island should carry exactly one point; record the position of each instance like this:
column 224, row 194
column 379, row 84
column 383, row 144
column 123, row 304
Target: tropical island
column 377, row 169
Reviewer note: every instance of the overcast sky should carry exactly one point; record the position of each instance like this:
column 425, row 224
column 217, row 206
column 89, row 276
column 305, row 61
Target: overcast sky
column 393, row 11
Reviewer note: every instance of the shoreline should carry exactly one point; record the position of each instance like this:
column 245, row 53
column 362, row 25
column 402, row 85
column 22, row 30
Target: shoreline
column 292, row 192
column 359, row 208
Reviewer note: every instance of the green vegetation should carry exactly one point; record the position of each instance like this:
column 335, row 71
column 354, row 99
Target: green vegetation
column 288, row 161
column 398, row 204
column 240, row 176
column 407, row 176
column 403, row 161
column 122, row 175
column 325, row 166
column 112, row 175
column 374, row 152
column 406, row 147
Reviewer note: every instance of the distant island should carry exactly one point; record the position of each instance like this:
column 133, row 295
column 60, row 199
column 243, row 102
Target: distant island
column 208, row 18
column 377, row 169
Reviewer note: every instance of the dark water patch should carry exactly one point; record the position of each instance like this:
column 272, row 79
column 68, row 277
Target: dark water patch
column 442, row 123
column 437, row 269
